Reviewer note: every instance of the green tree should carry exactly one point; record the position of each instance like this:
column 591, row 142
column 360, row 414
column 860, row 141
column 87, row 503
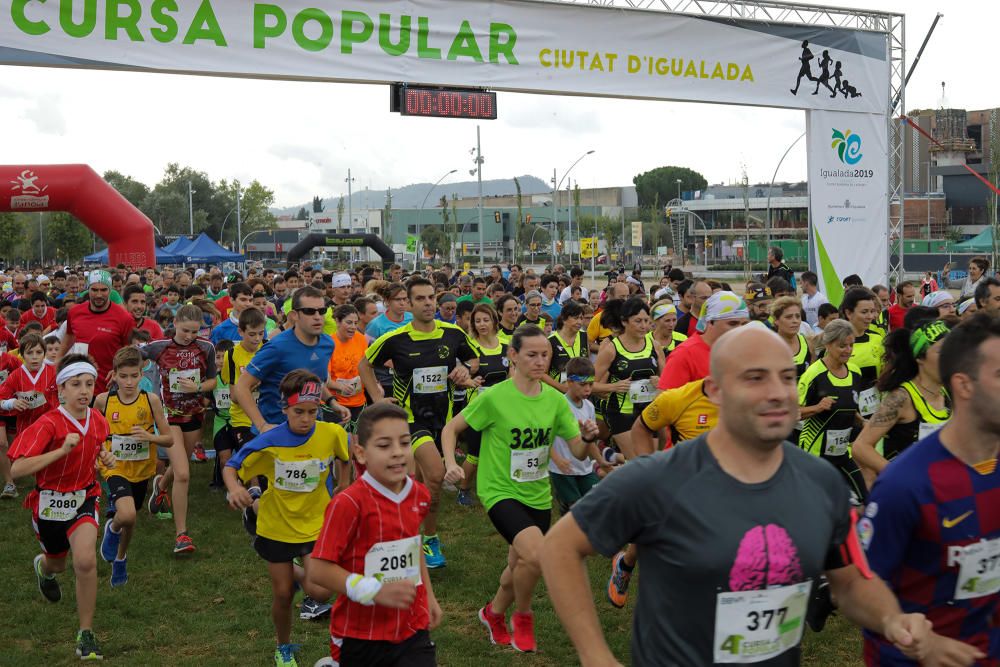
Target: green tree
column 303, row 214
column 11, row 236
column 66, row 237
column 167, row 202
column 434, row 240
column 662, row 181
column 134, row 191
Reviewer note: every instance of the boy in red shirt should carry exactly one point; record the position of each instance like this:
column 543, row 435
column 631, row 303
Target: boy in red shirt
column 30, row 391
column 40, row 312
column 369, row 552
column 8, row 423
column 61, row 449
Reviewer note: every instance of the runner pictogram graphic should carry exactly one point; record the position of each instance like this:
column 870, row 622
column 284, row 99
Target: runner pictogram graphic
column 805, row 69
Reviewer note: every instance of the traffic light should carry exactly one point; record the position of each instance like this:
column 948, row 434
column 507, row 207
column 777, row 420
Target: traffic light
column 669, row 212
column 559, row 246
column 496, row 216
column 534, row 247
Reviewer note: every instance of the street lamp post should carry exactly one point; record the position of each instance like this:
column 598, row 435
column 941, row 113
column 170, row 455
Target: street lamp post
column 239, row 219
column 256, row 231
column 678, row 188
column 556, row 186
column 350, row 210
column 478, row 171
column 419, row 246
column 191, row 209
column 771, row 187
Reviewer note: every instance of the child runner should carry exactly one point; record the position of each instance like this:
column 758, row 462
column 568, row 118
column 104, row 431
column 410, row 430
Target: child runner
column 30, row 391
column 132, row 415
column 8, row 423
column 296, row 458
column 571, row 477
column 518, row 419
column 369, row 552
column 53, row 346
column 61, row 449
column 221, row 402
column 187, row 368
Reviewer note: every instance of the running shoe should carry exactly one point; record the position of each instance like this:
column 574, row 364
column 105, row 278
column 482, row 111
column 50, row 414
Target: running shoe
column 86, row 646
column 9, row 491
column 311, row 609
column 184, row 544
column 119, row 572
column 47, row 586
column 495, row 624
column 618, row 581
column 465, row 498
column 432, row 552
column 198, row 455
column 284, row 655
column 449, row 486
column 109, row 544
column 159, row 504
column 523, row 624
column 820, row 607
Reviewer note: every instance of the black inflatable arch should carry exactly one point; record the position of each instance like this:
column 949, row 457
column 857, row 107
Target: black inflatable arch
column 321, row 239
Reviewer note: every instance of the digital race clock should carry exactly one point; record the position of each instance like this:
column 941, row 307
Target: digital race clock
column 444, row 102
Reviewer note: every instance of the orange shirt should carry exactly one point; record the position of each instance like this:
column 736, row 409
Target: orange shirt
column 344, row 366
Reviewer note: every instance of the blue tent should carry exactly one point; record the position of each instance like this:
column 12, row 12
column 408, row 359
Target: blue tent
column 204, row 250
column 175, row 245
column 162, row 257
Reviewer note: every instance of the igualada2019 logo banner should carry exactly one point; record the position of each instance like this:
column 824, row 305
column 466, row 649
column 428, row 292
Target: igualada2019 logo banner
column 501, row 44
column 848, row 197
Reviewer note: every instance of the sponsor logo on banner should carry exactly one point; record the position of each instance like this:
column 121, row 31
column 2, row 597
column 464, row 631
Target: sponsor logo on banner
column 848, row 201
column 27, row 193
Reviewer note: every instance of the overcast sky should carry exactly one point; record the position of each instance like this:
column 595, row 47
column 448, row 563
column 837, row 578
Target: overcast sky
column 301, row 138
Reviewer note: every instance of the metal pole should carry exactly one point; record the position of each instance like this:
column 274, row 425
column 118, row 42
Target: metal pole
column 771, row 187
column 569, row 226
column 479, row 178
column 41, row 242
column 239, row 221
column 191, row 208
column 555, row 213
column 421, row 210
column 350, row 207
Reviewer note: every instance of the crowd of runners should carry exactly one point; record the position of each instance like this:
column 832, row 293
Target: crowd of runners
column 769, row 457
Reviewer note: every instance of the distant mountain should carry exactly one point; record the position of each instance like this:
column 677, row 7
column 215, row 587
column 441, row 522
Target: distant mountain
column 410, row 196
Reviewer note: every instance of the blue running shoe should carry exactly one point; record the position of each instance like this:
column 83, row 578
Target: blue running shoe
column 432, row 552
column 465, row 498
column 284, row 655
column 119, row 572
column 109, row 545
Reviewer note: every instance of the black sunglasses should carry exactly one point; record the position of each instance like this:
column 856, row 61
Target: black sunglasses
column 311, row 311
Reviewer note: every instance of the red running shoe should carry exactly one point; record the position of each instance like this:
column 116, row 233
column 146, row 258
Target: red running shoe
column 199, row 454
column 184, row 544
column 495, row 624
column 524, row 631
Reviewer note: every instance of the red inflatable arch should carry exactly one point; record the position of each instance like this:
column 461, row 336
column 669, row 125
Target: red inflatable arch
column 77, row 189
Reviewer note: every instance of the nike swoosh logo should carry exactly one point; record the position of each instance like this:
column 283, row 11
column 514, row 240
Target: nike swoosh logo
column 951, row 523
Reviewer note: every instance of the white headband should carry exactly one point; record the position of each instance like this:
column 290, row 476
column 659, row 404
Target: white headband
column 74, row 369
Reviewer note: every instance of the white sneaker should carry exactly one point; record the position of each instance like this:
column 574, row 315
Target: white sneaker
column 9, row 491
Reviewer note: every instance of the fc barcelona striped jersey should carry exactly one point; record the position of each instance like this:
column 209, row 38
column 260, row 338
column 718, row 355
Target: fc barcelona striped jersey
column 932, row 532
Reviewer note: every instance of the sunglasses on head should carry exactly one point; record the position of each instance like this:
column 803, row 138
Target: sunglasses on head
column 311, row 311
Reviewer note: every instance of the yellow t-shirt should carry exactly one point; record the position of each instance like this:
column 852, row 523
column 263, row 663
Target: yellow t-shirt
column 298, row 471
column 595, row 332
column 686, row 410
column 134, row 460
column 235, row 363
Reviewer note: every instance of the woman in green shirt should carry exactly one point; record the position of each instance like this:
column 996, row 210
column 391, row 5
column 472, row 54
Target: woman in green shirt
column 519, row 420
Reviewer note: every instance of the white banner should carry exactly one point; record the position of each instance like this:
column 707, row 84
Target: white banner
column 512, row 45
column 848, row 198
column 637, row 235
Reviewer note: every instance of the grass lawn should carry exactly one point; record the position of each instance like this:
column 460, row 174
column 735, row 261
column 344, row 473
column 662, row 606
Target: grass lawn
column 212, row 608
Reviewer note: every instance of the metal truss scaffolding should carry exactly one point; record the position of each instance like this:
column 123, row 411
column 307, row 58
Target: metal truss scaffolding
column 893, row 25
